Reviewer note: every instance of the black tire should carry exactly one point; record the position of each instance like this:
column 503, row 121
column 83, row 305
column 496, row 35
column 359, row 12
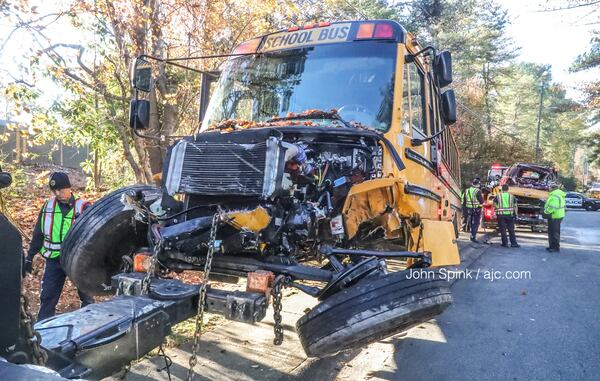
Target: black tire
column 372, row 310
column 93, row 248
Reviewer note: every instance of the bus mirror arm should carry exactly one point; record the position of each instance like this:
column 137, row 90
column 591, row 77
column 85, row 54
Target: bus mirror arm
column 411, row 57
column 418, row 142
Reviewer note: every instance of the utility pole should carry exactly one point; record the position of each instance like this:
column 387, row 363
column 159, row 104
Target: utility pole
column 539, row 124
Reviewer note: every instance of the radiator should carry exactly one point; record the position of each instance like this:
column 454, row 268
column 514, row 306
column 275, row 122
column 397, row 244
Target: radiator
column 224, row 168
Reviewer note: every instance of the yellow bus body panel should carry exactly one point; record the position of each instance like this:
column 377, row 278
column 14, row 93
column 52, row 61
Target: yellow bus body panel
column 439, row 239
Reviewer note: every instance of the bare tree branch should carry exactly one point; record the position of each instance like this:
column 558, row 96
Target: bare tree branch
column 571, row 6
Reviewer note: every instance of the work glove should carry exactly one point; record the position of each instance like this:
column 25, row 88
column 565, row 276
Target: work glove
column 27, row 267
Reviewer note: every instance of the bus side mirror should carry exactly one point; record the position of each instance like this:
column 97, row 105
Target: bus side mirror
column 5, row 179
column 139, row 114
column 142, row 75
column 448, row 107
column 442, row 66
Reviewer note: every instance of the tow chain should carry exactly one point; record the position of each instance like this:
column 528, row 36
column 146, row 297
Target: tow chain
column 39, row 356
column 202, row 296
column 150, row 272
column 280, row 282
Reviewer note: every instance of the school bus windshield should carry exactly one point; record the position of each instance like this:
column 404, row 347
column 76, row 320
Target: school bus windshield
column 354, row 78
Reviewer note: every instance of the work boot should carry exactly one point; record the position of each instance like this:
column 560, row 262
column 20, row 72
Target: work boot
column 474, row 240
column 504, row 245
column 515, row 245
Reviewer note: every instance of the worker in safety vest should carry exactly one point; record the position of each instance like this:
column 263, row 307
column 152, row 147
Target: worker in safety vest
column 506, row 211
column 464, row 210
column 54, row 221
column 474, row 202
column 554, row 209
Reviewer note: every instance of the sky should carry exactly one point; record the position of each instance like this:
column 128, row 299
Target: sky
column 555, row 38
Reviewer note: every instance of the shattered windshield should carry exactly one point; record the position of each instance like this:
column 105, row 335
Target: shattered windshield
column 530, row 176
column 353, row 79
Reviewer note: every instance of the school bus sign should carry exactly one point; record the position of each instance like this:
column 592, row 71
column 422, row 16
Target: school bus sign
column 300, row 38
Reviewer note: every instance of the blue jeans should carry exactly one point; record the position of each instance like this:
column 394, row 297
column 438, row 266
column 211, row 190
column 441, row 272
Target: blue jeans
column 52, row 285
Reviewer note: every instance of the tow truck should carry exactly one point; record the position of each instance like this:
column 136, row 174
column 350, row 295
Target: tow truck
column 529, row 183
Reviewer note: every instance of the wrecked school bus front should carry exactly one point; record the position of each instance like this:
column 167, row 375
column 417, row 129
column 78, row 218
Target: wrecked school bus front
column 352, row 83
column 324, row 152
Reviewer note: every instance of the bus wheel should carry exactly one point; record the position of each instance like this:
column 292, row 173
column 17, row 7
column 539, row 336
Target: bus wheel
column 93, row 248
column 371, row 310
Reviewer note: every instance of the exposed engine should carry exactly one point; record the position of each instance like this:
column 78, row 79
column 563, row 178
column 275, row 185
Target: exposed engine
column 282, row 193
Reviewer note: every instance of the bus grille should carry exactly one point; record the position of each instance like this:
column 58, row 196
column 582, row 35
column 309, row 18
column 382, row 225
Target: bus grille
column 219, row 168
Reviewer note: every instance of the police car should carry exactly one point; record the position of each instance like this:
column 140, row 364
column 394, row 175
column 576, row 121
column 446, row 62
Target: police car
column 579, row 201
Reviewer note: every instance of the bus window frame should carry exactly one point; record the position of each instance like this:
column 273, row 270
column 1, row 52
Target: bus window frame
column 405, row 120
column 423, row 133
column 435, row 117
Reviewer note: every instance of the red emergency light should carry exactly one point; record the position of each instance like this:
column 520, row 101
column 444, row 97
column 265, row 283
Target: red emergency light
column 383, row 30
column 496, row 166
column 371, row 30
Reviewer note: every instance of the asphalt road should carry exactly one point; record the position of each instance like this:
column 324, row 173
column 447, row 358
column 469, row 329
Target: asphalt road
column 545, row 326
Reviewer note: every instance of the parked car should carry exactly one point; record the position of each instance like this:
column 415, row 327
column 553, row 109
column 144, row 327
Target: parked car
column 580, row 201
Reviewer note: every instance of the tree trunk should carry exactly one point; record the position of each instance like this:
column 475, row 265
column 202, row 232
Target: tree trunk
column 486, row 94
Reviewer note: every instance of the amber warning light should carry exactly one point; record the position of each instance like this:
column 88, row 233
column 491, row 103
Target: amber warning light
column 246, row 47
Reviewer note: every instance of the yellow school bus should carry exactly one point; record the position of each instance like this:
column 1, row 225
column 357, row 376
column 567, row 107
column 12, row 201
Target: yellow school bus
column 324, row 152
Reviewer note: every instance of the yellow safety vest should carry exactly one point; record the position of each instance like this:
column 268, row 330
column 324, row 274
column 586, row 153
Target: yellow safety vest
column 472, row 201
column 55, row 225
column 505, row 203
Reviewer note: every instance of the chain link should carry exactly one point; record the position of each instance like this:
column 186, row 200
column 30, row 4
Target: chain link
column 202, row 296
column 278, row 285
column 33, row 337
column 150, row 272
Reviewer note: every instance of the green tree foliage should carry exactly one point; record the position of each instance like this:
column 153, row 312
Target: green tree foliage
column 590, row 61
column 591, row 58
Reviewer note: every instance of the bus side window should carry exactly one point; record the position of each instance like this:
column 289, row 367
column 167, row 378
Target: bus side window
column 405, row 101
column 416, row 102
